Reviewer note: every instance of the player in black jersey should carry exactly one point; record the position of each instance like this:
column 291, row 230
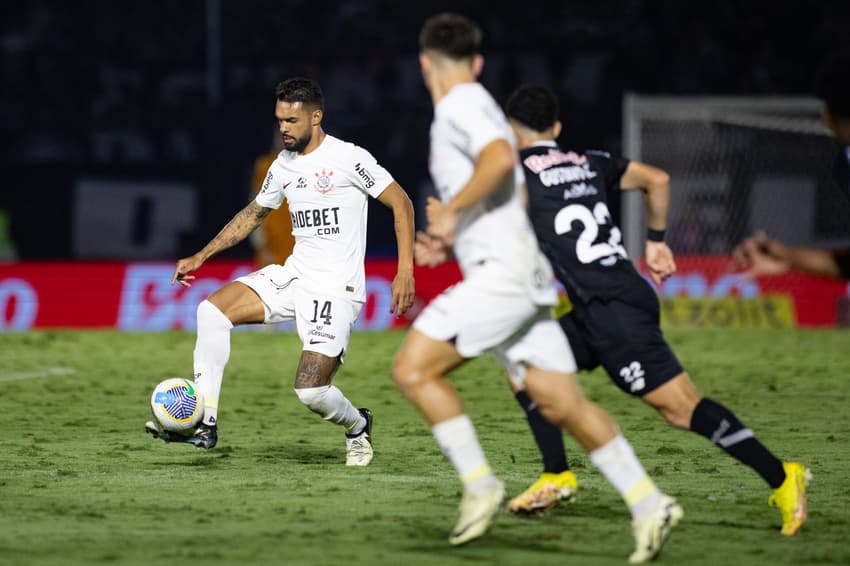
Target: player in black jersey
column 614, row 321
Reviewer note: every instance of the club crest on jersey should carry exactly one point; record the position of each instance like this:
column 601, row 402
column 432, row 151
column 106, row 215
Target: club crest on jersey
column 323, row 181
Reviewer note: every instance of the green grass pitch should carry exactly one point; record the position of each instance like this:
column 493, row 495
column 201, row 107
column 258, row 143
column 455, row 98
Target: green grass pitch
column 80, row 483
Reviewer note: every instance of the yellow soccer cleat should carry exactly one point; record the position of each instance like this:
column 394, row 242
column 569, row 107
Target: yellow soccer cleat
column 790, row 497
column 545, row 493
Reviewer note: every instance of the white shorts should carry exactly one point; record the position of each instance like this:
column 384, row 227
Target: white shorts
column 323, row 320
column 477, row 319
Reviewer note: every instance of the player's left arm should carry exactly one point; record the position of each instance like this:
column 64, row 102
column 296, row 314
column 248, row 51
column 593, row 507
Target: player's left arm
column 495, row 161
column 655, row 185
column 403, row 287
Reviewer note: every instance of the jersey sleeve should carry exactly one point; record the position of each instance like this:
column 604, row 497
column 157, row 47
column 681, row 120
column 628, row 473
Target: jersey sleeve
column 271, row 191
column 367, row 174
column 611, row 168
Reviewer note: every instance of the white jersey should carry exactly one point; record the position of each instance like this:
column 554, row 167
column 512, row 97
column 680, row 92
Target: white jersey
column 497, row 227
column 327, row 191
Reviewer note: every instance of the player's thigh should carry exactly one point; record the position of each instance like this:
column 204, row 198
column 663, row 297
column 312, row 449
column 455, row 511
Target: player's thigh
column 273, row 287
column 323, row 320
column 539, row 343
column 239, row 303
column 557, row 394
column 420, row 358
column 629, row 344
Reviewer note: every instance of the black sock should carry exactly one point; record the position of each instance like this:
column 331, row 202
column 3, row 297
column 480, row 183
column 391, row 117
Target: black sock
column 549, row 438
column 721, row 426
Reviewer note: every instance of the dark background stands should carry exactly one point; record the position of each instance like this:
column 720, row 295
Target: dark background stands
column 166, row 104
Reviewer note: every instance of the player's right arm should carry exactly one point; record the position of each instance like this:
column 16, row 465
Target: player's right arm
column 495, row 161
column 240, row 226
column 655, row 184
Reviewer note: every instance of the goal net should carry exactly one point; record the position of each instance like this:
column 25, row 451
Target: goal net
column 736, row 165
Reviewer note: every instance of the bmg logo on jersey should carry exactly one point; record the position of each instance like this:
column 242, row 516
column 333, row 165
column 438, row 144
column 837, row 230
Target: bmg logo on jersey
column 368, row 180
column 267, row 182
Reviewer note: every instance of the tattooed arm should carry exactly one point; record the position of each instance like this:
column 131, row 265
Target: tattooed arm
column 240, row 226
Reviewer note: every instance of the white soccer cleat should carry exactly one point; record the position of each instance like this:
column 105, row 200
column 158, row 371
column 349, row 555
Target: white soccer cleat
column 358, row 448
column 477, row 511
column 651, row 532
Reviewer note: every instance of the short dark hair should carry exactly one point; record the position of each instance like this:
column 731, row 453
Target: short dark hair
column 299, row 89
column 450, row 34
column 833, row 84
column 533, row 106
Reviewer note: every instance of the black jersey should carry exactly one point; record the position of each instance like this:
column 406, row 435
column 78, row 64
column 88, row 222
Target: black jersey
column 576, row 225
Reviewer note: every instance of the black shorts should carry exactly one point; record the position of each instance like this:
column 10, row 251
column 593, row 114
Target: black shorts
column 623, row 336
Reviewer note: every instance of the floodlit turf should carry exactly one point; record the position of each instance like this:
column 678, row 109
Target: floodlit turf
column 80, row 483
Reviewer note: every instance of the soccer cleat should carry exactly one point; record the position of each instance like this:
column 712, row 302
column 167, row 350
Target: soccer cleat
column 358, row 447
column 204, row 436
column 790, row 497
column 545, row 493
column 651, row 532
column 477, row 511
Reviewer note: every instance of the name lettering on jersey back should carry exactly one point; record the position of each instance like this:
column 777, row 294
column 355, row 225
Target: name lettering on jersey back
column 326, row 220
column 539, row 162
column 368, row 180
column 561, row 175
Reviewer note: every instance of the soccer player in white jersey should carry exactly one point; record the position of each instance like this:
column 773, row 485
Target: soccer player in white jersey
column 326, row 183
column 502, row 305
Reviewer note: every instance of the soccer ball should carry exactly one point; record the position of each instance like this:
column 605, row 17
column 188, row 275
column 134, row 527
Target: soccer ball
column 177, row 404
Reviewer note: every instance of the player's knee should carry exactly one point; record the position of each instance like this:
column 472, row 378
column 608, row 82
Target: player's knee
column 407, row 373
column 404, row 373
column 565, row 414
column 554, row 415
column 677, row 415
column 210, row 316
column 315, row 398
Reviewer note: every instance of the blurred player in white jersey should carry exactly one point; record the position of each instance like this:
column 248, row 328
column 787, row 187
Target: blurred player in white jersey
column 502, row 305
column 326, row 183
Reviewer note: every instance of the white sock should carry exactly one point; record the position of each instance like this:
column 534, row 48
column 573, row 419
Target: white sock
column 618, row 463
column 459, row 442
column 212, row 350
column 333, row 406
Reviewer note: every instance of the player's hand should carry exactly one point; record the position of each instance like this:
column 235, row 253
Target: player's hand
column 429, row 251
column 759, row 256
column 403, row 291
column 183, row 268
column 659, row 261
column 442, row 221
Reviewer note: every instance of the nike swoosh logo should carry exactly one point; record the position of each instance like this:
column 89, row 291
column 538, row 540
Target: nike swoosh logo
column 317, row 341
column 191, row 389
column 286, row 185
